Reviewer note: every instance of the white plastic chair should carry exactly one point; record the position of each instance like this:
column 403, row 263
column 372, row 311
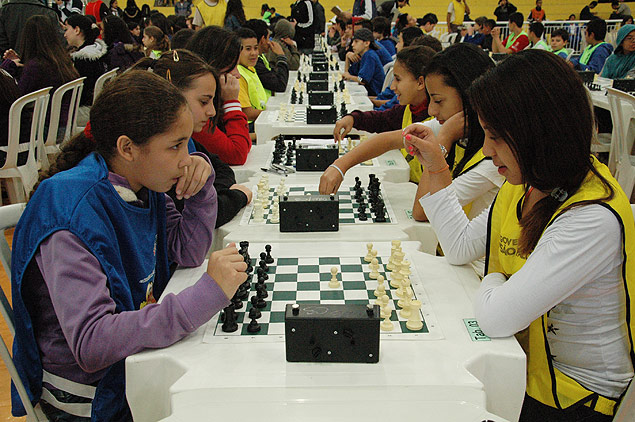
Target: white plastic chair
column 51, row 147
column 9, row 216
column 101, row 81
column 626, row 410
column 21, row 179
column 623, row 116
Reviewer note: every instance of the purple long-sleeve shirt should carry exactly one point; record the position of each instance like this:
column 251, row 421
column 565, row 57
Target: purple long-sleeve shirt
column 77, row 330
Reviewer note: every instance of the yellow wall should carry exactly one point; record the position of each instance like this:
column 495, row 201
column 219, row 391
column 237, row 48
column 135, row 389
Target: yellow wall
column 555, row 10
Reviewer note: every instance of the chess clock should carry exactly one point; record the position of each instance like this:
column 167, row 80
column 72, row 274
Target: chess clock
column 309, row 213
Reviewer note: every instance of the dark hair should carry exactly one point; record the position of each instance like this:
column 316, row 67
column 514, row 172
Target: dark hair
column 481, row 20
column 427, row 41
column 155, row 109
column 182, row 67
column 217, row 46
column 626, row 19
column 259, row 27
column 181, row 38
column 402, row 21
column 235, row 8
column 615, row 3
column 116, row 30
column 176, row 23
column 537, row 28
column 593, row 3
column 490, row 23
column 244, row 33
column 516, row 18
column 409, row 34
column 381, row 25
column 159, row 20
column 365, row 23
column 597, row 27
column 415, row 59
column 89, row 30
column 264, row 7
column 40, row 41
column 552, row 144
column 562, row 33
column 162, row 42
column 429, row 18
column 132, row 25
column 459, row 65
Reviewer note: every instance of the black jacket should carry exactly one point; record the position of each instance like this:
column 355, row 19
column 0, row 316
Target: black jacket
column 13, row 16
column 275, row 79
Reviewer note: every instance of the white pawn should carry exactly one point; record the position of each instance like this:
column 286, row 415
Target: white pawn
column 369, row 255
column 275, row 215
column 334, row 283
column 374, row 266
column 381, row 288
column 386, row 325
column 414, row 321
column 385, row 309
column 258, row 214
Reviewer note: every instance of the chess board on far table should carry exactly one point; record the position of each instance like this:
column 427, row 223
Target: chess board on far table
column 348, row 205
column 305, row 280
column 345, row 146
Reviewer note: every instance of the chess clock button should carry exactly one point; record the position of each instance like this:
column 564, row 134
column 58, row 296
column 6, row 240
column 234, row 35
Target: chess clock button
column 295, row 309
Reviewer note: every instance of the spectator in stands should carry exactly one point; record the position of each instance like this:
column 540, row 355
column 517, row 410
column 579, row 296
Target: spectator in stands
column 155, row 42
column 283, row 34
column 114, row 9
column 390, row 9
column 13, row 17
column 235, row 15
column 627, row 20
column 265, row 12
column 475, row 33
column 97, row 9
column 209, row 12
column 504, row 10
column 122, row 50
column 182, row 8
column 536, row 29
column 597, row 50
column 404, row 21
column 516, row 41
column 381, row 32
column 620, row 10
column 427, row 24
column 230, row 139
column 559, row 39
column 302, row 14
column 586, row 13
column 319, row 19
column 371, row 72
column 537, row 14
column 132, row 13
column 159, row 20
column 623, row 58
column 274, row 75
column 65, row 8
column 457, row 9
column 365, row 9
column 135, row 32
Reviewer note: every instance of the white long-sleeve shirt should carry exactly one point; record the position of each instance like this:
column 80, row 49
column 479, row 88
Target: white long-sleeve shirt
column 574, row 272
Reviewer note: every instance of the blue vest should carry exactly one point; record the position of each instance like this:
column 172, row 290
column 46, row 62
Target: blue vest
column 83, row 201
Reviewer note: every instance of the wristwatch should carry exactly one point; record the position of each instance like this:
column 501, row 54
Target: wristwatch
column 444, row 151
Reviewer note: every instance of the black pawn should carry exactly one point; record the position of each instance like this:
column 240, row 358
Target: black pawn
column 253, row 326
column 238, row 304
column 254, row 312
column 262, row 263
column 269, row 258
column 261, row 291
column 230, row 325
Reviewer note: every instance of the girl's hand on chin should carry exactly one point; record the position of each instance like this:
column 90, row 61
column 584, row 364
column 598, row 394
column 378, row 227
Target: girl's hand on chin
column 194, row 178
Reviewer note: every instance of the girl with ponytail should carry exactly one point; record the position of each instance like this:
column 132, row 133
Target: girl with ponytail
column 91, row 251
column 155, row 42
column 559, row 238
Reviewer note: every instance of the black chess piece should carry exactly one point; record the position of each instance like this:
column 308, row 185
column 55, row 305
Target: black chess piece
column 362, row 216
column 253, row 326
column 254, row 313
column 262, row 274
column 262, row 264
column 261, row 291
column 238, row 304
column 294, row 97
column 229, row 324
column 260, row 302
column 301, row 99
column 242, row 293
column 269, row 258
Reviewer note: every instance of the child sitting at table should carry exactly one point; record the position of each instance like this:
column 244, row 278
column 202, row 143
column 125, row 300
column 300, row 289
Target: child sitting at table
column 369, row 70
column 597, row 50
column 91, row 252
column 559, row 238
column 559, row 40
column 623, row 58
column 253, row 96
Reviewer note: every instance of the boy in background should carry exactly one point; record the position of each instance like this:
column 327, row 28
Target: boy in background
column 252, row 96
column 597, row 50
column 516, row 41
column 381, row 32
column 536, row 30
column 559, row 39
column 370, row 71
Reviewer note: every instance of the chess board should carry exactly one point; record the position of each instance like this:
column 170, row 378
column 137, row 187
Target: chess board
column 298, row 115
column 305, row 280
column 343, row 150
column 348, row 205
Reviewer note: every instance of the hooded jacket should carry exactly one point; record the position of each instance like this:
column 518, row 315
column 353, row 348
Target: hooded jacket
column 619, row 64
column 90, row 62
column 285, row 29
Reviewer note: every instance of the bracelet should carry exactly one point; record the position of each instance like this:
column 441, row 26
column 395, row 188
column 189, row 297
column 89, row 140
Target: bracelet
column 444, row 151
column 447, row 166
column 338, row 169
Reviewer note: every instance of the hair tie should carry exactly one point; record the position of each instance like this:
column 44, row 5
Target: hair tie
column 559, row 194
column 88, row 134
column 175, row 56
column 94, row 26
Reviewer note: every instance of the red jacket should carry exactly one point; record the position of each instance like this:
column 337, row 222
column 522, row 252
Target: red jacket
column 230, row 140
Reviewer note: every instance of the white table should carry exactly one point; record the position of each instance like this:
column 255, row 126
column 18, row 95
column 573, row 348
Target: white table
column 399, row 195
column 448, row 378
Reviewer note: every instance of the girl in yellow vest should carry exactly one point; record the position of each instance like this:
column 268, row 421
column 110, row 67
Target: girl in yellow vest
column 559, row 239
column 253, row 97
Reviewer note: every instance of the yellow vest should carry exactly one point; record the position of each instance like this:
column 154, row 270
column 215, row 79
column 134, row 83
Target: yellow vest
column 266, row 62
column 459, row 12
column 257, row 95
column 416, row 169
column 212, row 15
column 544, row 382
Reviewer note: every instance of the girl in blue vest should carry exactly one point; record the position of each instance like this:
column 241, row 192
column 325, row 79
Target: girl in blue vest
column 559, row 239
column 91, row 252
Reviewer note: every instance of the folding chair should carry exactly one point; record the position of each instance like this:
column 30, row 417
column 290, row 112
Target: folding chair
column 623, row 116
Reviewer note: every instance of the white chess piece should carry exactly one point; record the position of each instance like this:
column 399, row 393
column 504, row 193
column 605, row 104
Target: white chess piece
column 369, row 255
column 405, row 303
column 334, row 283
column 381, row 288
column 414, row 321
column 385, row 309
column 374, row 266
column 386, row 324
